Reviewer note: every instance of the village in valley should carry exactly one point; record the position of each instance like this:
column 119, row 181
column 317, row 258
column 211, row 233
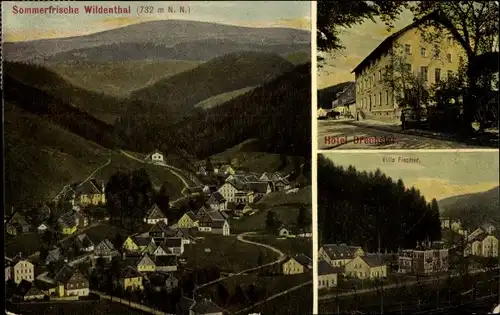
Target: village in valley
column 225, row 246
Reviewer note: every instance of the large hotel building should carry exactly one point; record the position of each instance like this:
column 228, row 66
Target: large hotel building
column 376, row 75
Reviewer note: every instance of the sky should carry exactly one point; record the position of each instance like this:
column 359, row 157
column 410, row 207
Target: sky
column 359, row 41
column 438, row 175
column 22, row 27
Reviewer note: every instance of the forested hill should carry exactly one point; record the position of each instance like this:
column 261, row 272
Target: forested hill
column 181, row 92
column 372, row 210
column 277, row 113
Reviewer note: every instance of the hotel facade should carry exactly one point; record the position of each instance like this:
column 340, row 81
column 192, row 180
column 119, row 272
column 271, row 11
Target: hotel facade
column 404, row 53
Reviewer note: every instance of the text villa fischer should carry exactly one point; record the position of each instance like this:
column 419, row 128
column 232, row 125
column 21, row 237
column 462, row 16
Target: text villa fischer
column 88, row 9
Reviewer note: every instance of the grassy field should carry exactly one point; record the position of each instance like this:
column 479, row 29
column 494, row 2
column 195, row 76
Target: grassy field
column 287, row 214
column 74, row 308
column 289, row 246
column 222, row 98
column 298, row 58
column 226, row 253
column 296, row 302
column 247, row 155
column 119, row 78
column 41, row 158
column 27, row 244
column 267, row 286
column 303, row 196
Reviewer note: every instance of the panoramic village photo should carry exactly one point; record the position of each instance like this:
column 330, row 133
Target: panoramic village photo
column 157, row 163
column 414, row 233
column 407, row 74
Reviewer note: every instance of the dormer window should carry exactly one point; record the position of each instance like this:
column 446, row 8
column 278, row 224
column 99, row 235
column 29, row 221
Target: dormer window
column 423, row 52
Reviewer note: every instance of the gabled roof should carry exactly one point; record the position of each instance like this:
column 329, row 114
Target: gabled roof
column 106, row 244
column 65, row 274
column 192, row 216
column 54, row 254
column 83, row 240
column 324, row 268
column 373, row 260
column 173, row 242
column 388, row 42
column 155, row 213
column 216, row 215
column 26, row 288
column 160, row 226
column 88, row 187
column 67, row 220
column 142, row 241
column 303, row 260
column 258, row 187
column 130, row 272
column 18, row 218
column 216, row 198
column 206, row 307
column 166, row 260
column 218, row 224
column 486, row 226
column 236, row 183
column 340, row 251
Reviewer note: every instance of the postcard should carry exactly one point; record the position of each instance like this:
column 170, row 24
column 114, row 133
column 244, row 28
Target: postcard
column 157, row 157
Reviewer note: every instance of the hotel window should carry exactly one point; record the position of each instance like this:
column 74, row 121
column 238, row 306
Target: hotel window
column 448, row 57
column 437, row 52
column 374, row 79
column 423, row 52
column 437, row 75
column 408, row 49
column 380, row 98
column 380, row 75
column 387, row 97
column 423, row 73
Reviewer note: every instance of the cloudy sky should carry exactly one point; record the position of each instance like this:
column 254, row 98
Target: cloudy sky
column 21, row 27
column 359, row 41
column 438, row 175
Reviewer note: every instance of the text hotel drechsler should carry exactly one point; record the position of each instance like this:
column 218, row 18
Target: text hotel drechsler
column 88, row 9
column 332, row 140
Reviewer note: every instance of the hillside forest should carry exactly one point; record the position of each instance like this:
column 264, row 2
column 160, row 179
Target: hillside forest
column 372, row 210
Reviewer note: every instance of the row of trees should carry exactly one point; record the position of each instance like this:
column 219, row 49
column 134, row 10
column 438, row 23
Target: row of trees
column 131, row 194
column 371, row 210
column 273, row 222
column 472, row 24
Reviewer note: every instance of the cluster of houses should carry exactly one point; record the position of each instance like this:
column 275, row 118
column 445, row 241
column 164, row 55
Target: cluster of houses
column 481, row 242
column 348, row 261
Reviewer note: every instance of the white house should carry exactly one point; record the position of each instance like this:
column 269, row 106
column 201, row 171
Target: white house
column 155, row 215
column 282, row 231
column 42, row 228
column 155, row 157
column 229, row 191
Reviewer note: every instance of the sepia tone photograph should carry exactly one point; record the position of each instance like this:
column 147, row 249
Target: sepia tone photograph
column 407, row 74
column 157, row 157
column 408, row 232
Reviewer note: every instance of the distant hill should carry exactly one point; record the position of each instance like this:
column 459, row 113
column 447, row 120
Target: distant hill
column 42, row 157
column 200, row 50
column 473, row 209
column 119, row 78
column 168, row 33
column 105, row 107
column 180, row 93
column 54, row 109
column 327, row 95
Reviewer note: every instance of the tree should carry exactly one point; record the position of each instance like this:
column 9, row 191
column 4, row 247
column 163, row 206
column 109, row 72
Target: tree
column 252, row 294
column 272, row 221
column 303, row 218
column 162, row 198
column 334, row 16
column 474, row 25
column 260, row 259
column 222, row 294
